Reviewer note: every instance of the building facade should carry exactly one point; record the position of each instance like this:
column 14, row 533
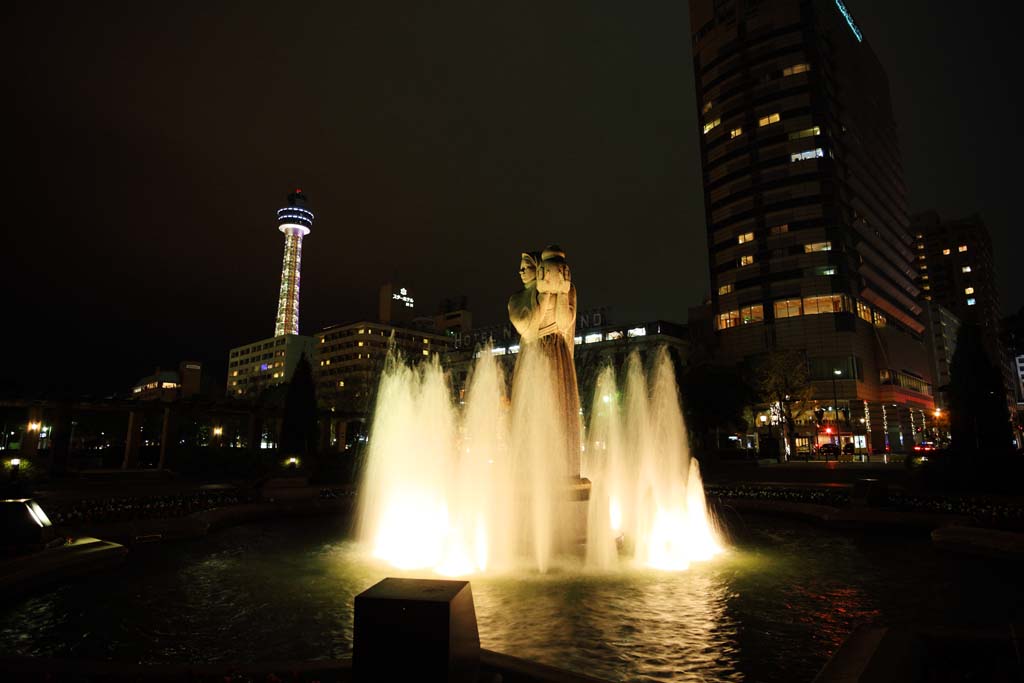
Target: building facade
column 170, row 385
column 941, row 330
column 807, row 224
column 256, row 366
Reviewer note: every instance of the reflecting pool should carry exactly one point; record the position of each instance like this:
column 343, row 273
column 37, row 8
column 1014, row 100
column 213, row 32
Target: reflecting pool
column 774, row 607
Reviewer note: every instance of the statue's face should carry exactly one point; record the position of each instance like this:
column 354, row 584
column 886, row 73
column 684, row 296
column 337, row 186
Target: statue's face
column 527, row 271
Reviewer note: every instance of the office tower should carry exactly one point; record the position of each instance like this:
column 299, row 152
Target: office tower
column 807, row 223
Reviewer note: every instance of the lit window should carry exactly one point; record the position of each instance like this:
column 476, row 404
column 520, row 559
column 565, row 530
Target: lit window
column 962, row 248
column 779, row 229
column 341, row 382
column 765, row 120
column 636, row 332
column 864, row 311
column 971, row 301
column 796, row 69
column 360, row 343
column 745, row 237
column 426, row 352
column 735, row 133
column 746, row 260
column 825, row 270
column 817, row 246
column 591, row 338
column 361, row 331
column 711, row 125
column 613, row 336
column 920, row 245
column 728, row 319
column 827, row 303
column 787, row 308
column 920, row 257
column 924, row 266
column 880, row 320
column 808, row 154
column 805, row 133
column 577, row 340
column 926, row 287
column 707, row 107
column 965, row 269
column 752, row 314
column 500, row 351
column 945, row 252
column 924, row 277
column 725, row 289
column 969, row 290
column 426, row 341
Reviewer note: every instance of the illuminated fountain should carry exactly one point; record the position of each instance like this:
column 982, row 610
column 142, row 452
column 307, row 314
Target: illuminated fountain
column 494, row 484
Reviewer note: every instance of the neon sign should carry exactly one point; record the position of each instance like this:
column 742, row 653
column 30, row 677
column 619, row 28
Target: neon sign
column 849, row 20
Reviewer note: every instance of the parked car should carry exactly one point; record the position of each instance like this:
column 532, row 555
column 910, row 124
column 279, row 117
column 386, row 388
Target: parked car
column 829, row 449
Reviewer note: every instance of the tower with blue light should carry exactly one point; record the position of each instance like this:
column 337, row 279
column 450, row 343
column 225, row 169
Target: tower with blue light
column 295, row 221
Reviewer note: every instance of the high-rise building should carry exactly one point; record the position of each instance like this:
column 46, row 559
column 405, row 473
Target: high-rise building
column 957, row 269
column 295, row 221
column 806, row 213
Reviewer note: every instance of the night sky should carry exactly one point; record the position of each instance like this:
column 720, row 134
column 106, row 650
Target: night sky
column 148, row 146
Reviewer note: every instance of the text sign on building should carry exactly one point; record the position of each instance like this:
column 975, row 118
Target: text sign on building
column 403, row 296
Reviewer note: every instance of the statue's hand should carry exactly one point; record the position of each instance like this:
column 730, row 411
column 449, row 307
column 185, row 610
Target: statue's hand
column 566, row 279
column 544, row 285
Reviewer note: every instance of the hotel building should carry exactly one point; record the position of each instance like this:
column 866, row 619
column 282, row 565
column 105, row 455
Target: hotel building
column 806, row 214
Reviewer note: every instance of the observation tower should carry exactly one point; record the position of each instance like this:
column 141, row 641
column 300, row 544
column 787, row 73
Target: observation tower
column 295, row 221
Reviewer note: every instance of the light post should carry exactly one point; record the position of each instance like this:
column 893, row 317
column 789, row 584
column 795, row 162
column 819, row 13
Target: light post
column 836, row 372
column 15, row 466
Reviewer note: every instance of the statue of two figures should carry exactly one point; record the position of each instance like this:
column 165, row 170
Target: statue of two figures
column 544, row 379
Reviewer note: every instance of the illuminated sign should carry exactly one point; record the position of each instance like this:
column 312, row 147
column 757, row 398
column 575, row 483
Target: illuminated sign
column 403, row 296
column 849, row 20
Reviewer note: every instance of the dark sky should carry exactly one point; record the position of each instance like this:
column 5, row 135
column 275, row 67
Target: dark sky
column 149, row 144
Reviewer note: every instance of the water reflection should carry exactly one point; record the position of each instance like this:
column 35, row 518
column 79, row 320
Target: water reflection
column 773, row 609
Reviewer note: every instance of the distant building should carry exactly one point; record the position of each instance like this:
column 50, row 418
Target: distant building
column 596, row 347
column 806, row 212
column 348, row 361
column 396, row 305
column 956, row 267
column 941, row 330
column 254, row 367
column 170, row 385
column 957, row 270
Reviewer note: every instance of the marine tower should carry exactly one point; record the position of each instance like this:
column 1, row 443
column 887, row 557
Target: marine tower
column 295, row 221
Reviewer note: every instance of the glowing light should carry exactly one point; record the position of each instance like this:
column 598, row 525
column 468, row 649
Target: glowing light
column 615, row 514
column 849, row 20
column 34, row 426
column 218, row 431
column 15, row 462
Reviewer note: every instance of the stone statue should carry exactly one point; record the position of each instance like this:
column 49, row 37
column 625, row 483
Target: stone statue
column 544, row 314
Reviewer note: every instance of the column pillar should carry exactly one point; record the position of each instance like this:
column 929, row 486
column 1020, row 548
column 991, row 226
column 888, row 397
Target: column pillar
column 168, row 436
column 131, row 441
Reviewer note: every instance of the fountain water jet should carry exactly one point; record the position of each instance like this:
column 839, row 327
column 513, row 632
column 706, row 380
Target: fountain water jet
column 497, row 483
column 461, row 490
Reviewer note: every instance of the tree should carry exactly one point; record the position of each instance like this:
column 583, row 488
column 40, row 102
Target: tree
column 979, row 417
column 784, row 379
column 298, row 425
column 714, row 399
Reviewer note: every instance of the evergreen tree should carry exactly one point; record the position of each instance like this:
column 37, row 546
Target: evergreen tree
column 298, row 425
column 979, row 417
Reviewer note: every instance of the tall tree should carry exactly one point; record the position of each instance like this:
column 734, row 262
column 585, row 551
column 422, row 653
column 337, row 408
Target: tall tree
column 784, row 380
column 298, row 425
column 714, row 400
column 979, row 418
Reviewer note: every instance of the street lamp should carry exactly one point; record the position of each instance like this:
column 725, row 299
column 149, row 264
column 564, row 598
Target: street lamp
column 836, row 372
